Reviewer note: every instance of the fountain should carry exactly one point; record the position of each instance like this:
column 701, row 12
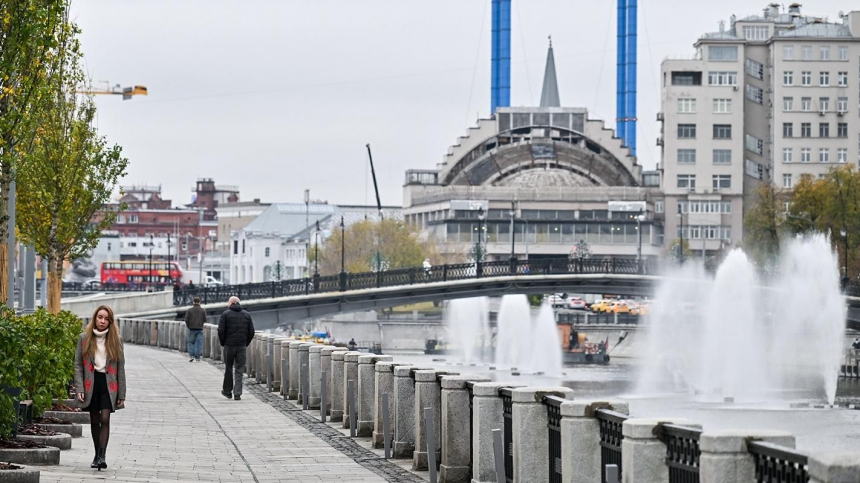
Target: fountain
column 738, row 338
column 467, row 321
column 526, row 343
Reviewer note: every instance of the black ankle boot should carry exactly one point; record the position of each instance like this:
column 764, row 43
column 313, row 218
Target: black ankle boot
column 95, row 463
column 101, row 459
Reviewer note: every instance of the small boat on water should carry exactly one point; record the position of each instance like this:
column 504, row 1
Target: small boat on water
column 576, row 349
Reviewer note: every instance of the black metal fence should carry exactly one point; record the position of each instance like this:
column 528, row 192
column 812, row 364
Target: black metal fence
column 610, row 439
column 583, row 318
column 553, row 414
column 682, row 452
column 777, row 464
column 507, row 416
column 416, row 275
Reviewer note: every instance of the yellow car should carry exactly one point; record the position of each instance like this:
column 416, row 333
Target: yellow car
column 600, row 305
column 640, row 309
column 620, row 307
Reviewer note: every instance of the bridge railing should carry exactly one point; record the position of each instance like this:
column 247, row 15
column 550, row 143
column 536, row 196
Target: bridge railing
column 611, row 437
column 682, row 452
column 415, row 275
column 778, row 464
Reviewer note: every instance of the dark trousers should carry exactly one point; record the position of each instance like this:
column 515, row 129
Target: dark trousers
column 234, row 367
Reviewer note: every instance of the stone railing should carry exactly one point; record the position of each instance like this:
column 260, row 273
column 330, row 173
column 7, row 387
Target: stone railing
column 441, row 417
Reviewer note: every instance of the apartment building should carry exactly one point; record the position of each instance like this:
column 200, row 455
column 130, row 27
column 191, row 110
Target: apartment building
column 770, row 98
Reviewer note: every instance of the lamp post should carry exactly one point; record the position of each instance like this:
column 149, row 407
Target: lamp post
column 639, row 219
column 479, row 250
column 845, row 277
column 342, row 255
column 681, row 245
column 169, row 273
column 307, row 217
column 513, row 241
column 151, row 244
column 317, row 251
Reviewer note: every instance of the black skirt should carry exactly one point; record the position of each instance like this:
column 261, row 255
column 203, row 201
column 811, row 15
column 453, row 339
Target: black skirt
column 101, row 395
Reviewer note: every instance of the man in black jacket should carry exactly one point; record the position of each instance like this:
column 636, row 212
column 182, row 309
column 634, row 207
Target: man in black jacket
column 235, row 333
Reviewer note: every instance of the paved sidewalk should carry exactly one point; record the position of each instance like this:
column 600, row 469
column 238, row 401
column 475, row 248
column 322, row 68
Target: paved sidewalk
column 178, row 427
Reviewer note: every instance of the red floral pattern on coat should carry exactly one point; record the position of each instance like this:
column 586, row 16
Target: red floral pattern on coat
column 88, row 385
column 88, row 365
column 111, row 369
column 113, row 386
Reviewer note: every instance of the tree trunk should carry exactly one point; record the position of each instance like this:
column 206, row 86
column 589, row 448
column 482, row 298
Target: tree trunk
column 4, row 264
column 55, row 287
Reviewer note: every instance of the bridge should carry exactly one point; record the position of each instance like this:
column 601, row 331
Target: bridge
column 276, row 303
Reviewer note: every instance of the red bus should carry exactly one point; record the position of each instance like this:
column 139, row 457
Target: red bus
column 138, row 273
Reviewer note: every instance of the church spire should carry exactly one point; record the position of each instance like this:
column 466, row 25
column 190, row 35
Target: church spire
column 549, row 95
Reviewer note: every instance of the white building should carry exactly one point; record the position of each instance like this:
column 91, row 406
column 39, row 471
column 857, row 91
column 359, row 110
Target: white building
column 766, row 100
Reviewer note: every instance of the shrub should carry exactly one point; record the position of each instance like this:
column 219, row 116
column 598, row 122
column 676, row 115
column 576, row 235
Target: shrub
column 37, row 354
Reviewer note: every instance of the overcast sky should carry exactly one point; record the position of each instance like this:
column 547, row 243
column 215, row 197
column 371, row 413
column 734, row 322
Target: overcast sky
column 277, row 96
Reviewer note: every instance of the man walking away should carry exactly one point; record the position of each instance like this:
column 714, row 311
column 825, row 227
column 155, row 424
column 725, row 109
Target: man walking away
column 194, row 320
column 235, row 333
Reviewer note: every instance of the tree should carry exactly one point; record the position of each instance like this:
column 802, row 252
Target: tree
column 70, row 171
column 764, row 225
column 399, row 245
column 28, row 34
column 675, row 254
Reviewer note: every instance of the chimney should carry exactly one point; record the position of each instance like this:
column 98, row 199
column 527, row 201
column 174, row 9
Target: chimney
column 772, row 11
column 794, row 9
column 722, row 26
column 500, row 91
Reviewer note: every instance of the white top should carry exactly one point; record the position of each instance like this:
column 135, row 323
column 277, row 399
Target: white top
column 100, row 357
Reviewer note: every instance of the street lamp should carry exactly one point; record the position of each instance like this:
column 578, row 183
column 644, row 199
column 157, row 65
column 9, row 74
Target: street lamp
column 169, row 272
column 151, row 244
column 845, row 277
column 513, row 241
column 639, row 219
column 681, row 245
column 342, row 255
column 317, row 251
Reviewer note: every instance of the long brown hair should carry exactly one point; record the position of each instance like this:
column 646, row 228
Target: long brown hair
column 113, row 342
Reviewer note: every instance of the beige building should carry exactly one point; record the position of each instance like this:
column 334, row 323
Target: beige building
column 768, row 99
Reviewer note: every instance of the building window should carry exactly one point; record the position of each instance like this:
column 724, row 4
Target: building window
column 786, row 181
column 132, row 218
column 824, row 52
column 120, row 218
column 686, row 78
column 722, row 156
column 787, row 103
column 824, row 104
column 842, row 155
column 755, row 32
column 722, row 106
column 235, row 247
column 754, row 69
column 842, row 105
column 686, row 131
column 686, row 105
column 806, row 78
column 723, row 78
column 842, row 130
column 843, row 53
column 788, row 78
column 787, row 129
column 266, row 253
column 722, row 181
column 787, row 52
column 754, row 93
column 806, row 104
column 805, row 155
column 243, row 246
column 824, row 79
column 824, row 155
column 723, row 53
column 824, row 130
column 754, row 144
column 686, row 156
column 687, row 181
column 806, row 129
column 754, row 169
column 722, row 131
column 806, row 52
column 787, row 155
column 658, row 207
column 843, row 79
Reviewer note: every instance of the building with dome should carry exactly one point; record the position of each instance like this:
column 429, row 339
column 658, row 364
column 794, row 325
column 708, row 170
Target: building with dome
column 564, row 178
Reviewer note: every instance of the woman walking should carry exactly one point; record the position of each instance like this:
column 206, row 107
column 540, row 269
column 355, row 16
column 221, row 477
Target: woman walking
column 100, row 377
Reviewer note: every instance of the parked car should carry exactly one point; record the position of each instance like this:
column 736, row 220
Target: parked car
column 600, row 306
column 92, row 284
column 211, row 281
column 620, row 307
column 576, row 303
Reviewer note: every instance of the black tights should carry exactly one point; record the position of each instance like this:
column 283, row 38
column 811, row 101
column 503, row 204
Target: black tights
column 100, row 428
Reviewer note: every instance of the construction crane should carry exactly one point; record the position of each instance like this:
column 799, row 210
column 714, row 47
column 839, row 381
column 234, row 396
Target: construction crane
column 125, row 92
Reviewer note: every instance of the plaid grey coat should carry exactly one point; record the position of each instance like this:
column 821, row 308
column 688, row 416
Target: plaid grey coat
column 85, row 373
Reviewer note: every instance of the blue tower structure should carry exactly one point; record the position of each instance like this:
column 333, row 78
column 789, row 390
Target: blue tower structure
column 630, row 109
column 621, row 71
column 500, row 95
